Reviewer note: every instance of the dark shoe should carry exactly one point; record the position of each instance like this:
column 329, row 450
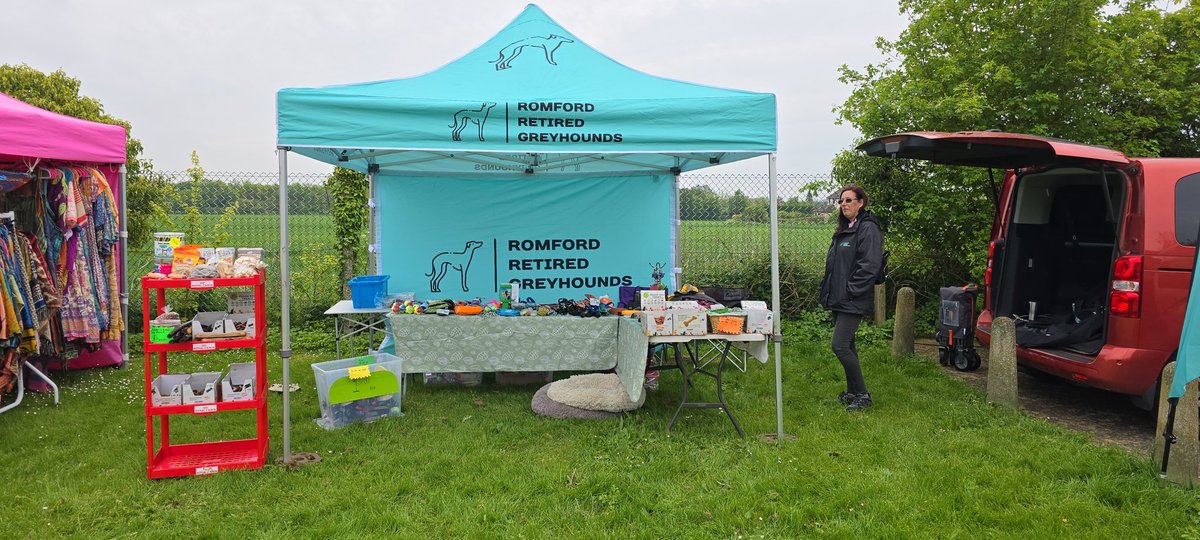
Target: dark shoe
column 860, row 402
column 845, row 398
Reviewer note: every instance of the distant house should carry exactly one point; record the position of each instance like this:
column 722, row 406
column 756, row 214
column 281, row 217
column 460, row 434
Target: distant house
column 831, row 204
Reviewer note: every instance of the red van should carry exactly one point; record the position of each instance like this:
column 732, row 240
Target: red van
column 1091, row 254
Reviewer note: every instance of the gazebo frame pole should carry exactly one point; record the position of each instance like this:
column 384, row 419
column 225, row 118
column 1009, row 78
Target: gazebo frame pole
column 372, row 230
column 124, row 235
column 285, row 304
column 777, row 334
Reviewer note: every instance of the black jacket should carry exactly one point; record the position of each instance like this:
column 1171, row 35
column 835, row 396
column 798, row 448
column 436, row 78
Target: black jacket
column 854, row 260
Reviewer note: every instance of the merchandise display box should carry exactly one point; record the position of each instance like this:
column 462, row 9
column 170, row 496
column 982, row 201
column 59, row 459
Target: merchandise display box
column 687, row 318
column 238, row 384
column 688, row 322
column 759, row 319
column 167, row 389
column 653, row 300
column 239, row 302
column 219, row 322
column 359, row 389
column 201, row 387
column 657, row 323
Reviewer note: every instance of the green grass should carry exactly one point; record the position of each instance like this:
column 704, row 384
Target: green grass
column 931, row 459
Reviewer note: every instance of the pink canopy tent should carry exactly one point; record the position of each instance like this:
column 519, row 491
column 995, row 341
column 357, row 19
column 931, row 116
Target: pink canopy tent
column 29, row 132
column 31, row 135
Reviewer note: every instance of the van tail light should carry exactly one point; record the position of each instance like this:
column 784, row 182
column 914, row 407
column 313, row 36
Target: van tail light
column 1125, row 300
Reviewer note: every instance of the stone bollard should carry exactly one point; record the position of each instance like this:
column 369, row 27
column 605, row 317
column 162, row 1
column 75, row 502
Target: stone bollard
column 1002, row 364
column 880, row 304
column 1185, row 453
column 903, row 332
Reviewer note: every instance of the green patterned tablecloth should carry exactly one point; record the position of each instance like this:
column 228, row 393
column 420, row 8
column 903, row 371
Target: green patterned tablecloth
column 430, row 344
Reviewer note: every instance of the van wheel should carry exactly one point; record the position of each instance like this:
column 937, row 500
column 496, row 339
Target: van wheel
column 967, row 360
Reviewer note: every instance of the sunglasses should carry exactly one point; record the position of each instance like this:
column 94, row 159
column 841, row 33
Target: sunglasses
column 844, row 201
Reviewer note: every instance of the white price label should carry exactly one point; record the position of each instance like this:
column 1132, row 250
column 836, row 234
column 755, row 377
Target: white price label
column 200, row 347
column 213, row 469
column 201, row 409
column 201, row 284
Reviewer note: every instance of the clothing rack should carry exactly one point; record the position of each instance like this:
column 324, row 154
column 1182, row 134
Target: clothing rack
column 5, row 219
column 21, row 364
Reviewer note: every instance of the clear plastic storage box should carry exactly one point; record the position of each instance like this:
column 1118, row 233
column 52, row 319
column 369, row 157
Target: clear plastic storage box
column 359, row 389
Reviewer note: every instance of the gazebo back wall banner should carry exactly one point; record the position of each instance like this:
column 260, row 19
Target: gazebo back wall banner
column 460, row 238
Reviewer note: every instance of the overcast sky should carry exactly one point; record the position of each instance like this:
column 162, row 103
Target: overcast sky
column 202, row 75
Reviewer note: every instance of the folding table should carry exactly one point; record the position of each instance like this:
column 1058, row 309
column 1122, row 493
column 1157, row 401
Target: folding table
column 755, row 344
column 349, row 321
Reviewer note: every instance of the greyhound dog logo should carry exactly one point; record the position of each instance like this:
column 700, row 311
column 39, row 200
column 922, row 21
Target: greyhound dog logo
column 458, row 260
column 548, row 44
column 471, row 116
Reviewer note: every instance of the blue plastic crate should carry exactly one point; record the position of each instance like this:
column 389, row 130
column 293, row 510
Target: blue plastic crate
column 368, row 291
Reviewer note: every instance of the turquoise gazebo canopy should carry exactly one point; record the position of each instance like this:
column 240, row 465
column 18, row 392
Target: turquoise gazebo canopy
column 532, row 99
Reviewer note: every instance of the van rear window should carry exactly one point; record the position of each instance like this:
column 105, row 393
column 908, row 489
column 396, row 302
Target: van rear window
column 1187, row 209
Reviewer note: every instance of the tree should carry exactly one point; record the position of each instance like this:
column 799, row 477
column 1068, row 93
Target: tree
column 349, row 190
column 701, row 203
column 1058, row 68
column 191, row 203
column 738, row 202
column 59, row 92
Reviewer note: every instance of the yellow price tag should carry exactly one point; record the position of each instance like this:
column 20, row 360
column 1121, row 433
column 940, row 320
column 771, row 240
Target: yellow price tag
column 175, row 242
column 359, row 372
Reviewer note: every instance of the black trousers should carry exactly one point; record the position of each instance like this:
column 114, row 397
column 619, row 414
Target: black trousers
column 844, row 327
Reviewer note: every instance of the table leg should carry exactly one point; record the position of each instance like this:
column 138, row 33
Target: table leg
column 690, row 370
column 337, row 335
column 721, row 390
column 683, row 402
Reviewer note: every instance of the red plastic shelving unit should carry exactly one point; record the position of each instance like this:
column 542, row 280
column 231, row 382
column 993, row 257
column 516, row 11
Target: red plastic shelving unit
column 164, row 459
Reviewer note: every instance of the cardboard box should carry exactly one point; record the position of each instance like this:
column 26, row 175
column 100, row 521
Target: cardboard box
column 759, row 319
column 167, row 390
column 687, row 318
column 201, row 387
column 688, row 322
column 653, row 300
column 657, row 323
column 239, row 302
column 219, row 322
column 239, row 383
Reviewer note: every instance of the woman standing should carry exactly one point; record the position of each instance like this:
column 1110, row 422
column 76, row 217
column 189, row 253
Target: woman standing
column 854, row 261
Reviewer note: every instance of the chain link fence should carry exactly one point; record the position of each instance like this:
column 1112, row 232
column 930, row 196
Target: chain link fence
column 724, row 239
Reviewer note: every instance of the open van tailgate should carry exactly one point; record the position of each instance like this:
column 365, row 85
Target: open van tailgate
column 988, row 149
